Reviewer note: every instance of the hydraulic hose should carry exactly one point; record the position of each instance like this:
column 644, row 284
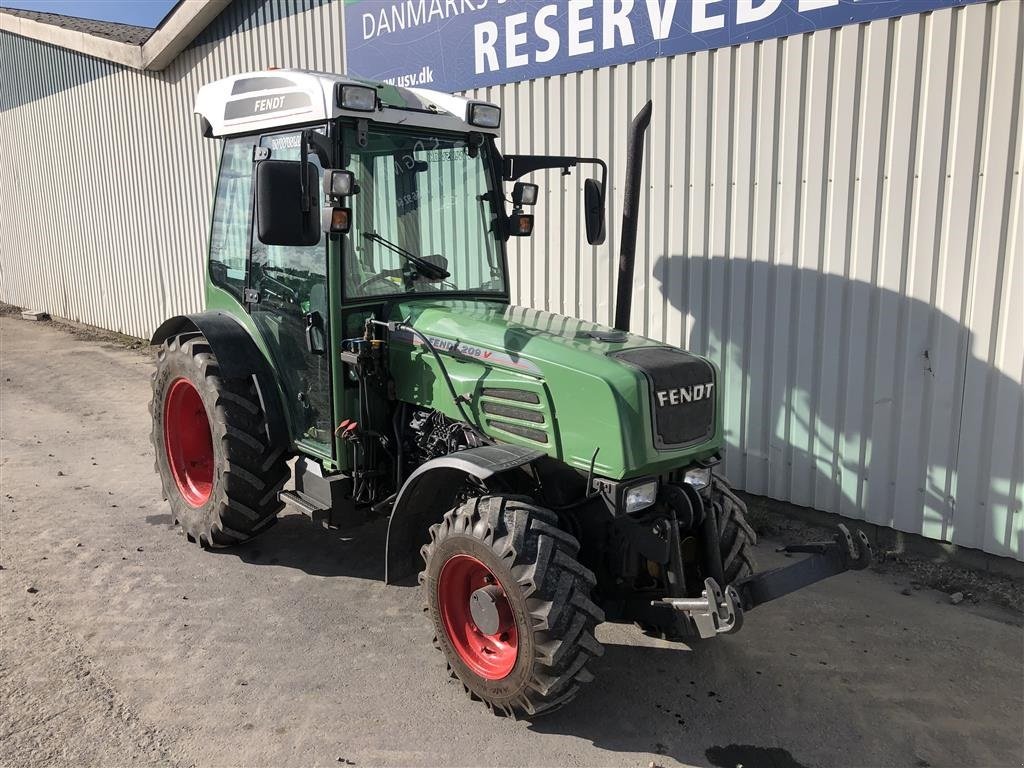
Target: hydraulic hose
column 456, row 398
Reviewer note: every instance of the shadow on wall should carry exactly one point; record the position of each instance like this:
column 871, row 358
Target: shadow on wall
column 851, row 398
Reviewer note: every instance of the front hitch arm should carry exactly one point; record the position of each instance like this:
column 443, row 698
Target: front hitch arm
column 828, row 558
column 719, row 611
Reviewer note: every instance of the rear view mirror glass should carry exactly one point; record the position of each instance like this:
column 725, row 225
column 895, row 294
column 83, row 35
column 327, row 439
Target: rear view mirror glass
column 593, row 207
column 282, row 216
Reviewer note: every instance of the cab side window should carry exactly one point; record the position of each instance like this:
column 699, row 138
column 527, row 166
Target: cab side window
column 229, row 233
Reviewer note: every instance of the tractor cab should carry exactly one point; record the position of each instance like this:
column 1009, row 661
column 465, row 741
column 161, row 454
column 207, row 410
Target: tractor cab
column 335, row 194
column 364, row 196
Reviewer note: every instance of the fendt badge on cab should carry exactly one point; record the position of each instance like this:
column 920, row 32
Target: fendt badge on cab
column 689, row 394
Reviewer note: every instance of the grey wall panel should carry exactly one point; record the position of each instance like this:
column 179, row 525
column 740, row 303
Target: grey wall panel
column 835, row 218
column 108, row 184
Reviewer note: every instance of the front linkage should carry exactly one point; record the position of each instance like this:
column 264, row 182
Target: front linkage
column 719, row 611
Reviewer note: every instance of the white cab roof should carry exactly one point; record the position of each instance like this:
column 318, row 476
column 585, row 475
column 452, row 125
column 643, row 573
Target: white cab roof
column 256, row 101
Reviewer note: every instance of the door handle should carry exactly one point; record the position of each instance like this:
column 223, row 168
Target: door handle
column 316, row 342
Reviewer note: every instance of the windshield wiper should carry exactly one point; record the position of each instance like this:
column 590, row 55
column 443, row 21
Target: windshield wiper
column 427, row 269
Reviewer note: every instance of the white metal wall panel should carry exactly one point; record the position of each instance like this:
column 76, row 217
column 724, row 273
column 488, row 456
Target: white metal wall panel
column 835, row 218
column 108, row 184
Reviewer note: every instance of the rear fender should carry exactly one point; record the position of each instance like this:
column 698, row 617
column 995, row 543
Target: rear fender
column 430, row 491
column 238, row 357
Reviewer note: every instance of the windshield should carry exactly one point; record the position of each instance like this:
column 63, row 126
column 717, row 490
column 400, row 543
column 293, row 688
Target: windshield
column 422, row 198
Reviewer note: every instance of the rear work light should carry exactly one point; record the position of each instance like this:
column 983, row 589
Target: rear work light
column 358, row 98
column 483, row 115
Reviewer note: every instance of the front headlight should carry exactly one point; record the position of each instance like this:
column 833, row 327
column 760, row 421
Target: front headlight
column 698, row 477
column 641, row 496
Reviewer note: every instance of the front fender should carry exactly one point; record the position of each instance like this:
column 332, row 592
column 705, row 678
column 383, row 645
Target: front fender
column 430, row 491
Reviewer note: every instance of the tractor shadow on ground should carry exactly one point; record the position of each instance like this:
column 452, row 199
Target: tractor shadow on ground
column 297, row 542
column 700, row 705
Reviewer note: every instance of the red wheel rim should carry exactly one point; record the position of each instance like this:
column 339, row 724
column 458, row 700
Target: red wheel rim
column 492, row 656
column 188, row 443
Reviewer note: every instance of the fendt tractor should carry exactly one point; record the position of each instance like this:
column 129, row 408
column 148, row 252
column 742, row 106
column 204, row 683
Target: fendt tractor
column 359, row 357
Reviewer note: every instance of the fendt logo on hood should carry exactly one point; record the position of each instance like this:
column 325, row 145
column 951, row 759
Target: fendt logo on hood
column 690, row 394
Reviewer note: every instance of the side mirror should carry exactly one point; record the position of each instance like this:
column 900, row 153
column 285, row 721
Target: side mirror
column 285, row 214
column 593, row 209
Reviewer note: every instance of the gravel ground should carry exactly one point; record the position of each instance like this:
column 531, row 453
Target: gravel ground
column 122, row 644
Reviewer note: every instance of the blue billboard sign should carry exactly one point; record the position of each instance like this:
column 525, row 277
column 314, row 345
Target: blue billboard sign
column 453, row 45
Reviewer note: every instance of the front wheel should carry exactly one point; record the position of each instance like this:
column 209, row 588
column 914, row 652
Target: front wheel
column 510, row 604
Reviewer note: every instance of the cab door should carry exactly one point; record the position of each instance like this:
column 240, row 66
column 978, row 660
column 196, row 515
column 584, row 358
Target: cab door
column 288, row 302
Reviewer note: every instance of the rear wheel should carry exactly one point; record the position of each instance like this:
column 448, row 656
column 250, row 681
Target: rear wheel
column 510, row 604
column 220, row 473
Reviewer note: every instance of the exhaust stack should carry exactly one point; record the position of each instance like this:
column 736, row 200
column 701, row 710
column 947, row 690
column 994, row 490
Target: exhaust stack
column 631, row 216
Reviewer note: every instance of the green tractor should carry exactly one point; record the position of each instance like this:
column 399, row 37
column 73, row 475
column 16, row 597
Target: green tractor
column 360, row 357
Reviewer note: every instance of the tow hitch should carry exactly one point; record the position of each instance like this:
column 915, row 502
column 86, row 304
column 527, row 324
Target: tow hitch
column 719, row 612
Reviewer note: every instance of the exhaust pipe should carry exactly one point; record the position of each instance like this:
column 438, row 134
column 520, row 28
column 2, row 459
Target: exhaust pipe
column 631, row 216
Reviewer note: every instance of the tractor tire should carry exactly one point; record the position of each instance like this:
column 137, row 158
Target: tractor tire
column 510, row 604
column 736, row 539
column 736, row 536
column 219, row 471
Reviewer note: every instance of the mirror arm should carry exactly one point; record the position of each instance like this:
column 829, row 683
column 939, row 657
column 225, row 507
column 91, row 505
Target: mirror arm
column 321, row 147
column 303, row 179
column 516, row 166
column 604, row 172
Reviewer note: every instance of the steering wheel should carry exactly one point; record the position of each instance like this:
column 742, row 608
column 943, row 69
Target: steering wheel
column 382, row 278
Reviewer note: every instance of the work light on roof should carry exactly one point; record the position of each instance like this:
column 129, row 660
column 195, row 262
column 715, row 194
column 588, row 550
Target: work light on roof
column 483, row 115
column 358, row 98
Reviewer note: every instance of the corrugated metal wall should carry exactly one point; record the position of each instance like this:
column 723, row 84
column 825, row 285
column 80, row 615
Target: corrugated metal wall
column 835, row 218
column 107, row 182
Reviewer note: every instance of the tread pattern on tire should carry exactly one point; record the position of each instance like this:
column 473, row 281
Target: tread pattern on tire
column 250, row 470
column 736, row 535
column 557, row 587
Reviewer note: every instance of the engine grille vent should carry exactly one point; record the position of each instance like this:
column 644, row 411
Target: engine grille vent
column 513, row 412
column 529, row 433
column 509, row 411
column 518, row 395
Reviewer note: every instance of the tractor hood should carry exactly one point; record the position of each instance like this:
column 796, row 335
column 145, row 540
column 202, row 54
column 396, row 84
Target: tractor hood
column 561, row 385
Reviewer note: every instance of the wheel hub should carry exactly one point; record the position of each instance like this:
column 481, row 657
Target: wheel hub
column 477, row 617
column 488, row 608
column 188, row 442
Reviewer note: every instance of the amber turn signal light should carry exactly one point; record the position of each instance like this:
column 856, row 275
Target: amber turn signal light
column 521, row 224
column 336, row 221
